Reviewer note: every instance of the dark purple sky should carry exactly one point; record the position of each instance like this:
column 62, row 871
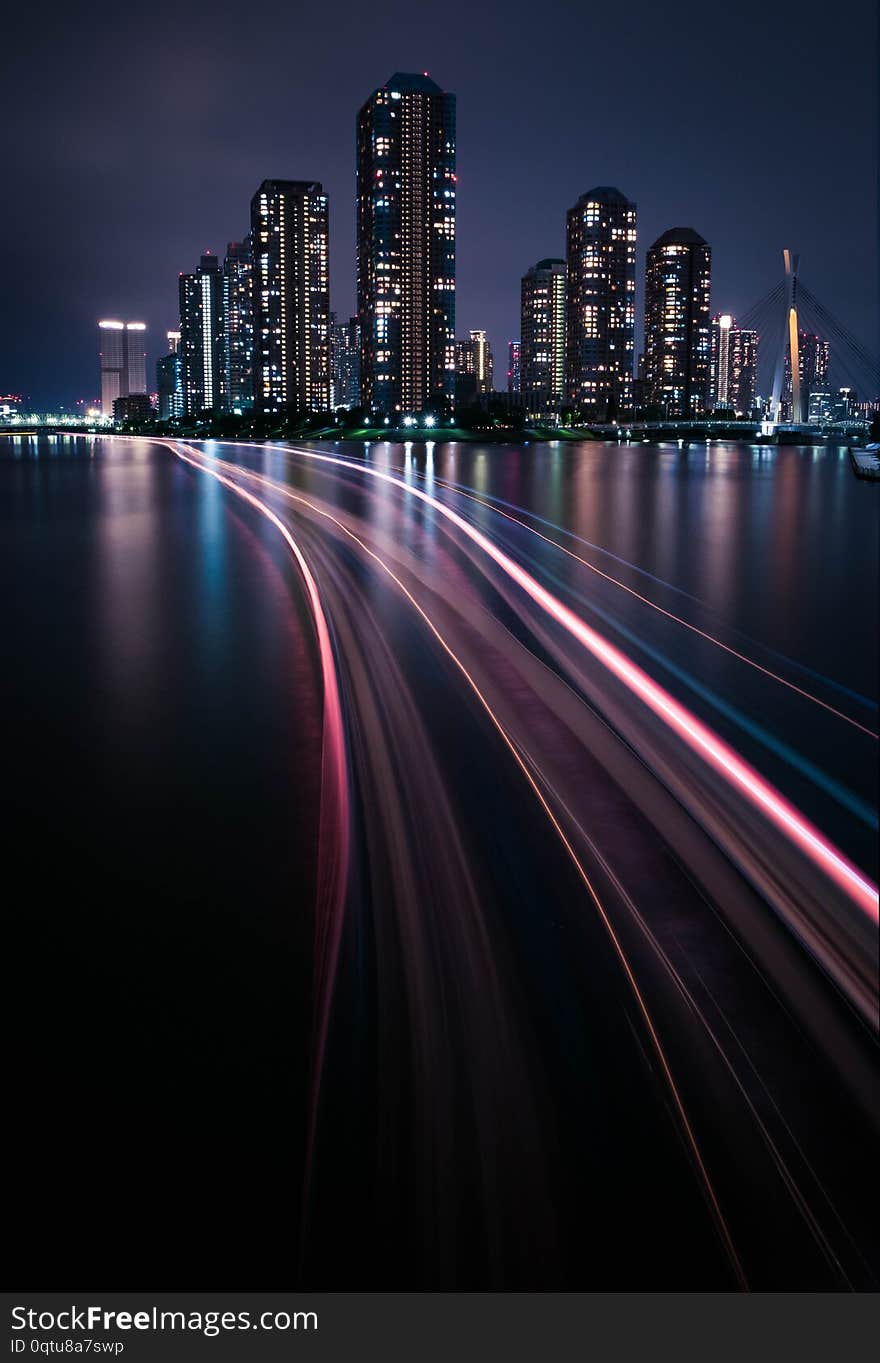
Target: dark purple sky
column 134, row 138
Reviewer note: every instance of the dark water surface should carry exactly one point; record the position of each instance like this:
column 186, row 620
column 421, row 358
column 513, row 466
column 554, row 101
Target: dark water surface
column 161, row 731
column 161, row 734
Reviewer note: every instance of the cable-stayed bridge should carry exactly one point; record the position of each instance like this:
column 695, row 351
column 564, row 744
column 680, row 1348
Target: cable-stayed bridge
column 790, row 320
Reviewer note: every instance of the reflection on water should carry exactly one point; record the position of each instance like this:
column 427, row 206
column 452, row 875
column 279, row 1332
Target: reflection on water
column 780, row 542
column 774, row 545
column 162, row 749
column 773, row 549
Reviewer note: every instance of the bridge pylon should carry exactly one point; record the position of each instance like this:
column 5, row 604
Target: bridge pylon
column 789, row 343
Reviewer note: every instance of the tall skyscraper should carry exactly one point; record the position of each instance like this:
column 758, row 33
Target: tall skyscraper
column 123, row 361
column 238, row 325
column 484, row 361
column 733, row 366
column 291, row 245
column 719, row 360
column 514, row 368
column 136, row 357
column 406, row 245
column 677, row 322
column 742, row 387
column 543, row 329
column 601, row 303
column 202, row 340
column 345, row 362
column 169, row 380
column 474, row 361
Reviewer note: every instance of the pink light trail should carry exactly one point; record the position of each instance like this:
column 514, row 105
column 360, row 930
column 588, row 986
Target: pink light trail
column 334, row 825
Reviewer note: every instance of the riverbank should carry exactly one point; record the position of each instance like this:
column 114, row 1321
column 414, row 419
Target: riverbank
column 865, row 463
column 493, row 435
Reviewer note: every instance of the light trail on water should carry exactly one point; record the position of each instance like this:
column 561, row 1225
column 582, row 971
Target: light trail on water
column 334, row 824
column 698, row 736
column 512, row 747
column 499, row 504
column 522, row 991
column 503, row 508
column 653, row 605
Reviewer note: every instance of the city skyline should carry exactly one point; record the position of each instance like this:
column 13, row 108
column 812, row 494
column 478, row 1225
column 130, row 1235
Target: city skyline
column 443, row 696
column 258, row 333
column 155, row 226
column 577, row 344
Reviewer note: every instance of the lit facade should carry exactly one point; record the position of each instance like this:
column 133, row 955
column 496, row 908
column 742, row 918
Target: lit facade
column 202, row 339
column 514, row 368
column 238, row 325
column 543, row 332
column 719, row 360
column 733, row 366
column 345, row 363
column 134, row 407
column 820, row 406
column 169, row 380
column 123, row 361
column 845, row 405
column 601, row 303
column 474, row 360
column 406, row 188
column 677, row 323
column 742, row 385
column 291, row 252
column 136, row 357
column 814, row 355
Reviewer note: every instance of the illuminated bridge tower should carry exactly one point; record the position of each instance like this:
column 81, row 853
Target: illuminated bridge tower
column 789, row 346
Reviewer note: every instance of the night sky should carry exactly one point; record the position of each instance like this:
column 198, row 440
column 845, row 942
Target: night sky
column 134, row 137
